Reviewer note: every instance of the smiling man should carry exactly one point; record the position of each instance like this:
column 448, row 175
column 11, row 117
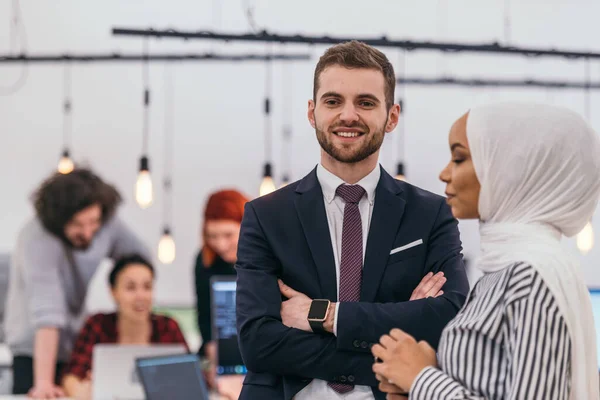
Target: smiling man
column 55, row 257
column 330, row 263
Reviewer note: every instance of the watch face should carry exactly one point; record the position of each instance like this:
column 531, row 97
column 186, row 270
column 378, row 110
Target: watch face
column 318, row 309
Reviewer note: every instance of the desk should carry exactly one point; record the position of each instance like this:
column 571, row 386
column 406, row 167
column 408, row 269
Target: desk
column 23, row 397
column 6, row 363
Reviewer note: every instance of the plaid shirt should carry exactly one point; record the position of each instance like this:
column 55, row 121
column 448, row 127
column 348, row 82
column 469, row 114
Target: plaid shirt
column 102, row 328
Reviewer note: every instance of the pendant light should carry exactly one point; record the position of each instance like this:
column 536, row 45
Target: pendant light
column 267, row 185
column 166, row 245
column 65, row 164
column 143, row 185
column 585, row 238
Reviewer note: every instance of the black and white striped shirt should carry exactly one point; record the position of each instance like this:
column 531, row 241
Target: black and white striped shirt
column 509, row 341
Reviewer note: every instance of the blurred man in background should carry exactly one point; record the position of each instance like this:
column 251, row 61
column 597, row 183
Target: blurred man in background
column 56, row 254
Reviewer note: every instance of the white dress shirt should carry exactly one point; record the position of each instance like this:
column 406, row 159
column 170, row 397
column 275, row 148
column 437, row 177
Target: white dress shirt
column 334, row 207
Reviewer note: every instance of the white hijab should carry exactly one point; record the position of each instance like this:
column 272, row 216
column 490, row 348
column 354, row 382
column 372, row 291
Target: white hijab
column 539, row 170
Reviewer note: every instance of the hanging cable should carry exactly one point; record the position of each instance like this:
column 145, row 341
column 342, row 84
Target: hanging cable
column 249, row 12
column 143, row 185
column 267, row 110
column 587, row 92
column 16, row 32
column 67, row 124
column 65, row 164
column 401, row 132
column 268, row 185
column 169, row 134
column 166, row 245
column 442, row 31
column 286, row 101
column 146, row 83
column 507, row 21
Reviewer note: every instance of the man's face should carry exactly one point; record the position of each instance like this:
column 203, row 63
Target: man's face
column 349, row 113
column 80, row 230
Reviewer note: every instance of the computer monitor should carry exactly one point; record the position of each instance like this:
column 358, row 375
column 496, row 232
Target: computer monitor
column 595, row 295
column 176, row 377
column 223, row 325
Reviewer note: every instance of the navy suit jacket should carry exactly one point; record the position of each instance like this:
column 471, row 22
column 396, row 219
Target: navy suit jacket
column 286, row 235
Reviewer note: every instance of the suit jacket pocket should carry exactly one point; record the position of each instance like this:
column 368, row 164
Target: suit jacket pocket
column 405, row 254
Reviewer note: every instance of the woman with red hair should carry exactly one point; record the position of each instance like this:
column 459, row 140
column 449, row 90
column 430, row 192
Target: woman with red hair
column 220, row 233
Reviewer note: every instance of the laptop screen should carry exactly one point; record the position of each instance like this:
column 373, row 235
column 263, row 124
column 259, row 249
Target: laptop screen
column 224, row 325
column 595, row 295
column 172, row 377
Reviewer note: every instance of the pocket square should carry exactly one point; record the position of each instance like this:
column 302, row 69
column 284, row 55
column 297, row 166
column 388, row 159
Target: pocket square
column 406, row 246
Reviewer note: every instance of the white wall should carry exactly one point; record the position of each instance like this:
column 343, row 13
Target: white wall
column 218, row 117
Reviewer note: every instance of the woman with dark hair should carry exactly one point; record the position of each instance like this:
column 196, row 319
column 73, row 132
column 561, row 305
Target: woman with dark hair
column 55, row 257
column 220, row 233
column 132, row 286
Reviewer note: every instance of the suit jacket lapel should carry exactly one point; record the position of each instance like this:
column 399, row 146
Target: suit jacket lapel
column 385, row 222
column 310, row 207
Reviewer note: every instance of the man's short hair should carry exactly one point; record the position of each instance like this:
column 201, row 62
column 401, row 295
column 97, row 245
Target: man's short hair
column 355, row 54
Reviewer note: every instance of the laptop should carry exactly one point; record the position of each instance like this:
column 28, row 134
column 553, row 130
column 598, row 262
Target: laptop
column 223, row 325
column 114, row 374
column 172, row 377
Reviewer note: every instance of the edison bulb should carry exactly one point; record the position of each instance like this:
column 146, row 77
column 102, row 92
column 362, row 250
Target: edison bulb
column 585, row 239
column 267, row 186
column 143, row 189
column 166, row 249
column 65, row 165
column 400, row 172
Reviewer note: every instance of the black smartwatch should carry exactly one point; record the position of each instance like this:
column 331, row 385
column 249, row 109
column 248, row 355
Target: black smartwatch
column 317, row 315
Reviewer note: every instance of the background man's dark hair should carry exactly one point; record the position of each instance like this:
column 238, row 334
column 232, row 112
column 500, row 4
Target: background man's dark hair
column 60, row 197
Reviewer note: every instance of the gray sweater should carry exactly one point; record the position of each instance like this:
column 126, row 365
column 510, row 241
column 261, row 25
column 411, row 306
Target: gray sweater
column 43, row 291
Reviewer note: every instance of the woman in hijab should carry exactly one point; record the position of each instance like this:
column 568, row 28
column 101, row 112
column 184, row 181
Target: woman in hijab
column 530, row 173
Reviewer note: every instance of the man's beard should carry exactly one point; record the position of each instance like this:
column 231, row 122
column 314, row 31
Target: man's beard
column 367, row 149
column 80, row 244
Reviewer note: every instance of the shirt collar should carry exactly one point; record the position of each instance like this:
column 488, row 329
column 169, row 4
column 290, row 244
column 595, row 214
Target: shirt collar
column 330, row 182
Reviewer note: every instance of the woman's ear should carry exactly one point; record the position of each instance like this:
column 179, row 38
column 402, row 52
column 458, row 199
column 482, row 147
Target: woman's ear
column 113, row 294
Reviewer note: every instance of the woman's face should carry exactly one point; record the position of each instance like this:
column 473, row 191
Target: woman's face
column 133, row 292
column 222, row 236
column 462, row 185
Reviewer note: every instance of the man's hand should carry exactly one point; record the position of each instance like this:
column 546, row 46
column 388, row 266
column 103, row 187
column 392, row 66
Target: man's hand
column 45, row 390
column 430, row 286
column 294, row 311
